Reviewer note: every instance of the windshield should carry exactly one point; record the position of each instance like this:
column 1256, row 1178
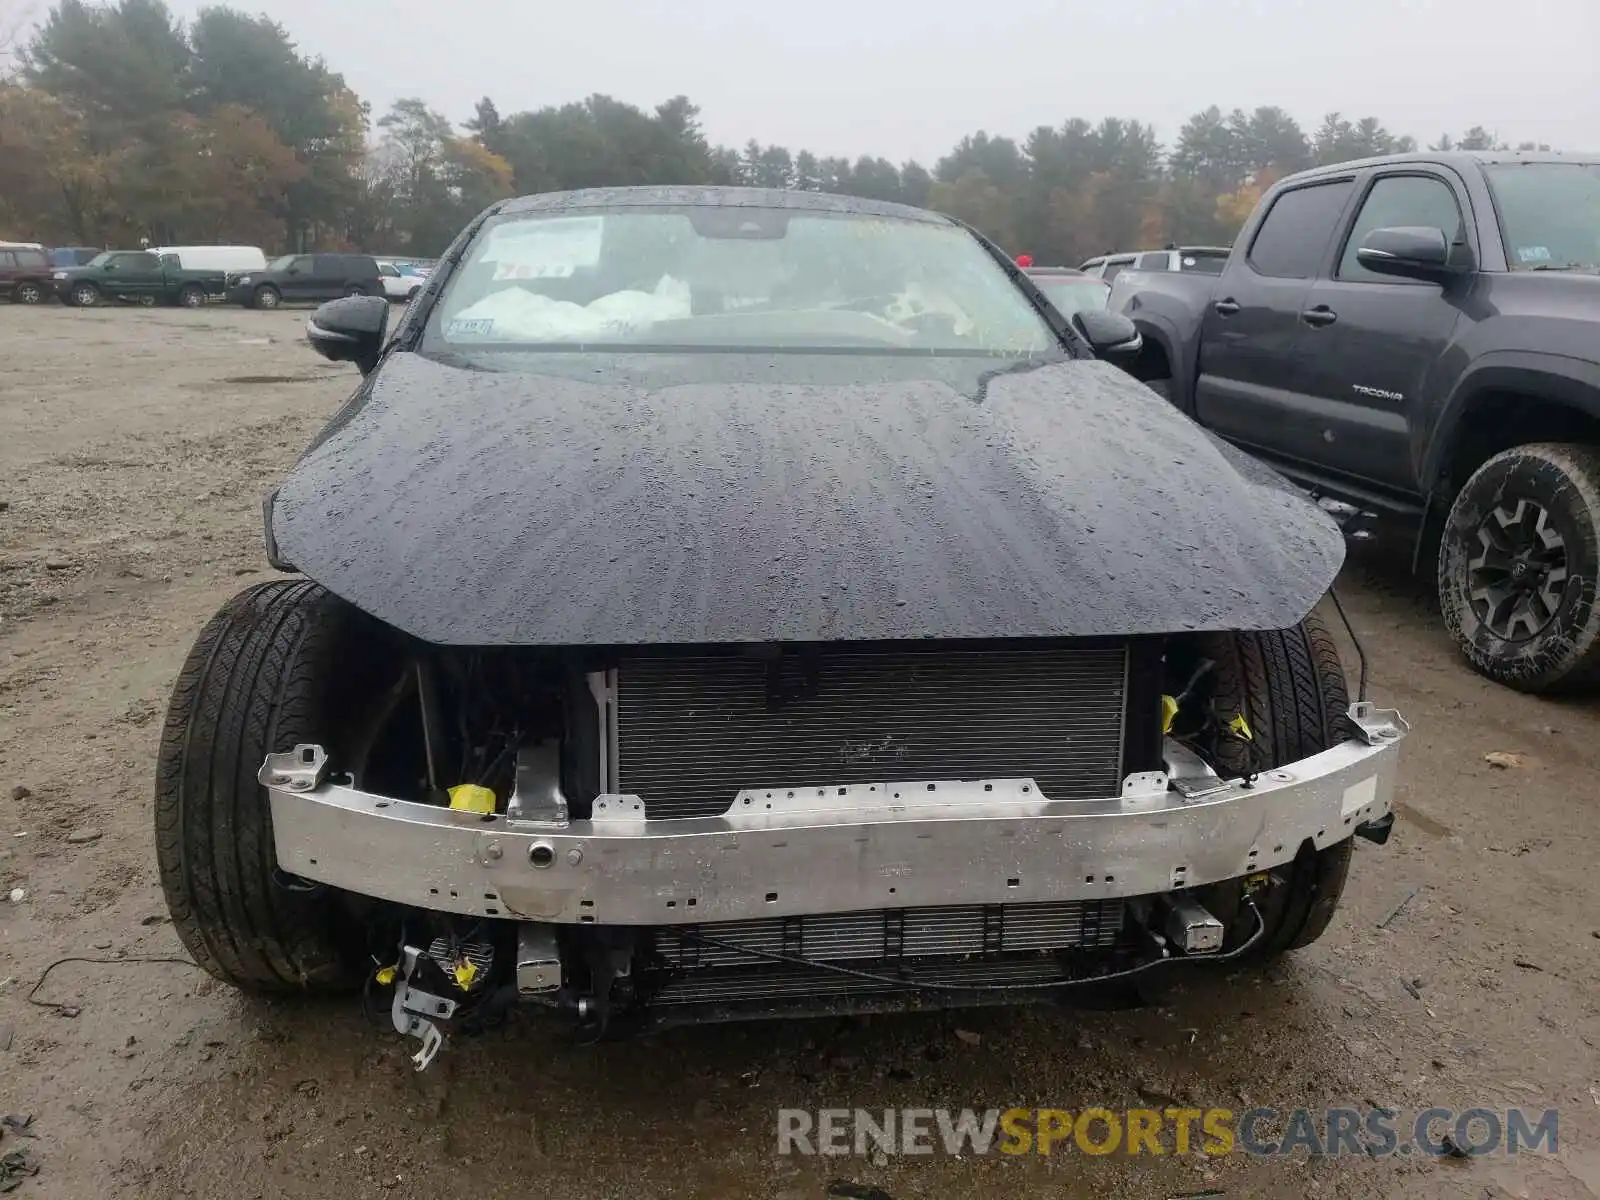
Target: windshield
column 281, row 263
column 736, row 278
column 1549, row 214
column 1069, row 294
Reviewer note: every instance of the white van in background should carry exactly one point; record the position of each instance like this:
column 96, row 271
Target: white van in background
column 227, row 259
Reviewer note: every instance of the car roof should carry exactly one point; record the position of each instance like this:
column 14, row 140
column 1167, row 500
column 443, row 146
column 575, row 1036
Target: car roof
column 719, row 197
column 1460, row 159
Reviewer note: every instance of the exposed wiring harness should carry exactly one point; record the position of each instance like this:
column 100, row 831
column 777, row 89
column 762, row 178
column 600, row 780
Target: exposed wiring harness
column 928, row 985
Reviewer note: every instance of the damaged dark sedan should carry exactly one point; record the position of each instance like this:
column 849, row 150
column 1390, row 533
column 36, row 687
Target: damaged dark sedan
column 725, row 603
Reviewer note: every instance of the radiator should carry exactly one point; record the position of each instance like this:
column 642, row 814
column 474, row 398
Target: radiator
column 913, row 933
column 693, row 730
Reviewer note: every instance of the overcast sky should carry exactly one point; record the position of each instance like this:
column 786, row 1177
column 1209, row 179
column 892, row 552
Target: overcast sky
column 907, row 78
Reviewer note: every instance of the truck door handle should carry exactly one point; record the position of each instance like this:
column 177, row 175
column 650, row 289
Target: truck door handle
column 1225, row 308
column 1319, row 316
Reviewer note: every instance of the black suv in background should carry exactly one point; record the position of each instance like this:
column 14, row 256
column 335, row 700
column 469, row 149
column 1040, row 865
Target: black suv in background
column 300, row 277
column 24, row 274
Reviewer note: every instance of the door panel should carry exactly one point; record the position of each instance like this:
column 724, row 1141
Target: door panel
column 1252, row 334
column 1378, row 337
column 136, row 275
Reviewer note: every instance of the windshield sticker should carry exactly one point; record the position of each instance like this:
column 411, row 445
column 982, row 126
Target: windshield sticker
column 1533, row 254
column 470, row 327
column 544, row 249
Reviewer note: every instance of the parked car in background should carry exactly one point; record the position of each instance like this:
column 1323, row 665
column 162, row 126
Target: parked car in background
column 1196, row 260
column 295, row 278
column 401, row 281
column 1420, row 336
column 1070, row 291
column 24, row 273
column 139, row 277
column 232, row 260
column 72, row 256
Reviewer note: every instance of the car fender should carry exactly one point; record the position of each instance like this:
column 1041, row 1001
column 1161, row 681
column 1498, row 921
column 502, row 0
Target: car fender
column 1557, row 378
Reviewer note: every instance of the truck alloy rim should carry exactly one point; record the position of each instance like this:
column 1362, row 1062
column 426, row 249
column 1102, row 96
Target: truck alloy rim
column 84, row 295
column 1516, row 582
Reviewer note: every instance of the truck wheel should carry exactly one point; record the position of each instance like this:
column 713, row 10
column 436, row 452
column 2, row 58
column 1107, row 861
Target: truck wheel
column 192, row 296
column 28, row 293
column 280, row 664
column 266, row 297
column 84, row 295
column 1289, row 686
column 1517, row 564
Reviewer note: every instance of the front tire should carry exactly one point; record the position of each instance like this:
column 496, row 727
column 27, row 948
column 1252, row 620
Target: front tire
column 84, row 295
column 1517, row 563
column 1289, row 685
column 266, row 297
column 282, row 663
column 28, row 293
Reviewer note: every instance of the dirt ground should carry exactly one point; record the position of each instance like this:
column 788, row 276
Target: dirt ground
column 134, row 449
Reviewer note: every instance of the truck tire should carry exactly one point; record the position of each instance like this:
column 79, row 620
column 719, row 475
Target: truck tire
column 83, row 295
column 28, row 293
column 192, row 296
column 265, row 297
column 1289, row 685
column 272, row 669
column 1518, row 558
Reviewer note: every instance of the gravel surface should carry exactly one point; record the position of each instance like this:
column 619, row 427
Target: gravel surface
column 134, row 449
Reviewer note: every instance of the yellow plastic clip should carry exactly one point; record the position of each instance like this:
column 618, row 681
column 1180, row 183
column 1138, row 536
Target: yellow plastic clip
column 1169, row 710
column 469, row 797
column 1242, row 727
column 386, row 976
column 466, row 972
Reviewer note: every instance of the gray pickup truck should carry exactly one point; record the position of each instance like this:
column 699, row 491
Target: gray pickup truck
column 1419, row 336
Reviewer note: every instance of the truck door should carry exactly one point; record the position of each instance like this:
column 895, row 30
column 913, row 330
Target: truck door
column 1251, row 332
column 134, row 274
column 1373, row 339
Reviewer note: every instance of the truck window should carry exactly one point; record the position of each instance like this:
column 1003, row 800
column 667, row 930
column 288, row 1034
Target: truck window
column 1401, row 200
column 1161, row 260
column 1203, row 262
column 1115, row 267
column 1291, row 241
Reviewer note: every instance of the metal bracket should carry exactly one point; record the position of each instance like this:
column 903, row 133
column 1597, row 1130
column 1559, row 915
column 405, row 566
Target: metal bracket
column 299, row 770
column 1377, row 726
column 538, row 959
column 538, row 795
column 1191, row 776
column 413, row 1010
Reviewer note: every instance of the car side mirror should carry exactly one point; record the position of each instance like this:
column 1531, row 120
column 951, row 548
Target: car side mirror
column 1408, row 251
column 1110, row 335
column 350, row 330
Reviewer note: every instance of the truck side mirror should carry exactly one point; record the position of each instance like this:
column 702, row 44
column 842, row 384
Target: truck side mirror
column 1407, row 251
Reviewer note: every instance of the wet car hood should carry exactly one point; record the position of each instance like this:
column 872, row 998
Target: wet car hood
column 474, row 507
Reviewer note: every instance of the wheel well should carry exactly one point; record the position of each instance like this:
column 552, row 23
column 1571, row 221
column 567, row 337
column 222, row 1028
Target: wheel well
column 1499, row 420
column 1151, row 362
